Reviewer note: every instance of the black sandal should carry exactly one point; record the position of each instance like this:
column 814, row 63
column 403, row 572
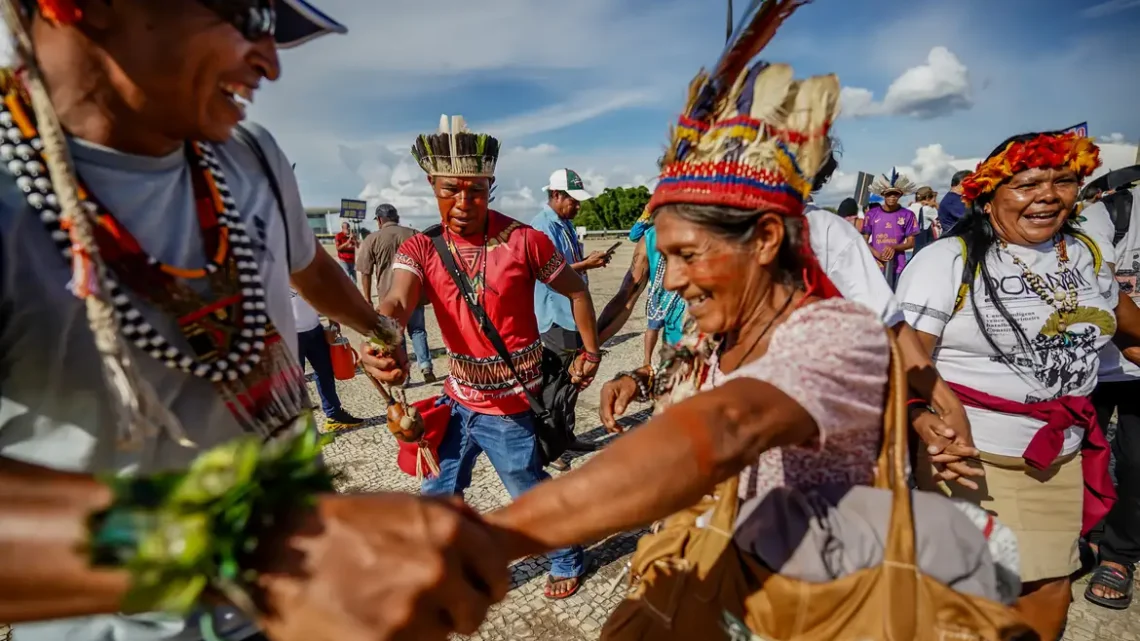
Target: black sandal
column 1114, row 579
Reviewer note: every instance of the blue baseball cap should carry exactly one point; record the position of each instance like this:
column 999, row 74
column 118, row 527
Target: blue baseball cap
column 299, row 21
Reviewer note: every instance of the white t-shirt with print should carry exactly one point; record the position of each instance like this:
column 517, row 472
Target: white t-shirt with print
column 928, row 289
column 848, row 262
column 1126, row 257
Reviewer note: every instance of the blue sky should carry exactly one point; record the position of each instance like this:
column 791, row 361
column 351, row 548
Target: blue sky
column 593, row 85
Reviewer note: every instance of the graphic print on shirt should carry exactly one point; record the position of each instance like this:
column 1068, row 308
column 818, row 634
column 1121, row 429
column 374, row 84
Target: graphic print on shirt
column 1064, row 347
column 1127, row 267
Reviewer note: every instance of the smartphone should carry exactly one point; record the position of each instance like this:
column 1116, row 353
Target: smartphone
column 613, row 248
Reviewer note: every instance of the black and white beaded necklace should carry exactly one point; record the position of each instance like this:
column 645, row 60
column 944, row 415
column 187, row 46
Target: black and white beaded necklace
column 283, row 396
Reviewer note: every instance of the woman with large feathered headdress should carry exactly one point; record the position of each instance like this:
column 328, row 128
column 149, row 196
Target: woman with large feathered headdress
column 751, row 399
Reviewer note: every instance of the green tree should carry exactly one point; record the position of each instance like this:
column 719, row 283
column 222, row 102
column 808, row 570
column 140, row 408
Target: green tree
column 614, row 208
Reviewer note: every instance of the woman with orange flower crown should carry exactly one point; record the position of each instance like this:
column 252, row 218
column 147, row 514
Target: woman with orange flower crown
column 158, row 454
column 1015, row 305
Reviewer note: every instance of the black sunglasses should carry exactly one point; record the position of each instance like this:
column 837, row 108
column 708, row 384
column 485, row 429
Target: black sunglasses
column 254, row 19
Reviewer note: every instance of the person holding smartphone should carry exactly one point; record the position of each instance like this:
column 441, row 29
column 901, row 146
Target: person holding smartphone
column 564, row 195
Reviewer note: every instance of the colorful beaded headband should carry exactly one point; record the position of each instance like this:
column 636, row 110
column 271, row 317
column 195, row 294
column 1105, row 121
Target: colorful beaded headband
column 752, row 136
column 1045, row 151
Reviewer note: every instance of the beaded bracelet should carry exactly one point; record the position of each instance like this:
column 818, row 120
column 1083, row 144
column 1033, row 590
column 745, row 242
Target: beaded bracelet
column 180, row 533
column 643, row 386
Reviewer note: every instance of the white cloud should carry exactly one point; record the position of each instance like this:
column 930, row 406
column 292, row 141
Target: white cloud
column 939, row 86
column 931, row 166
column 390, row 175
column 1109, row 7
column 1112, row 138
column 934, row 167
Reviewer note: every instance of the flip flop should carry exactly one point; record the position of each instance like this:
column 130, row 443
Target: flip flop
column 1114, row 579
column 551, row 580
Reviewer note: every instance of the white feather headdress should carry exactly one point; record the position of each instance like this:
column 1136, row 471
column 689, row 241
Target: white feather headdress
column 893, row 182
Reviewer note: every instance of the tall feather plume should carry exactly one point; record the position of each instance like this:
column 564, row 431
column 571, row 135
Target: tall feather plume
column 758, row 26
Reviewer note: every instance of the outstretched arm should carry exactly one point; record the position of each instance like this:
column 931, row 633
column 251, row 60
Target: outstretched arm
column 701, row 441
column 331, row 292
column 618, row 310
column 44, row 573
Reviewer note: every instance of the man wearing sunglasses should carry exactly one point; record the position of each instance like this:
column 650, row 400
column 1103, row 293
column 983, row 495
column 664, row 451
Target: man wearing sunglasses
column 141, row 87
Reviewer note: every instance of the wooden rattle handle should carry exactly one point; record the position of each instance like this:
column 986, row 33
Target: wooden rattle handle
column 380, row 388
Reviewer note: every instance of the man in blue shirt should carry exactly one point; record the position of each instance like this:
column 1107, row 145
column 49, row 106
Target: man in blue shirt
column 952, row 208
column 564, row 196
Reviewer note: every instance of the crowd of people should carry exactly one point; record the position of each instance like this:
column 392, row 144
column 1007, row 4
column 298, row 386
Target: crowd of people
column 160, row 473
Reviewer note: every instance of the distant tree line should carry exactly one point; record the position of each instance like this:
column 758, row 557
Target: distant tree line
column 614, row 208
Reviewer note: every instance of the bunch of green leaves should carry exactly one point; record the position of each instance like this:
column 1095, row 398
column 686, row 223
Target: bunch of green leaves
column 178, row 533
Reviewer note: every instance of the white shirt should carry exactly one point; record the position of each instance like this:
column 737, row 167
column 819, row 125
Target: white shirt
column 304, row 315
column 1126, row 257
column 928, row 289
column 848, row 262
column 925, row 214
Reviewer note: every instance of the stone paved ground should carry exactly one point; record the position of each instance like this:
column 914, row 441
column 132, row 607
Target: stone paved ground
column 367, row 455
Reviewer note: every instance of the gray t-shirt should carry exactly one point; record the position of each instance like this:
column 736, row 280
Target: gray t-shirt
column 54, row 408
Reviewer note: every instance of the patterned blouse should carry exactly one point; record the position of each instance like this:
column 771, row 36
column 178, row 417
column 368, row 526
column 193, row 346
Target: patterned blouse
column 832, row 358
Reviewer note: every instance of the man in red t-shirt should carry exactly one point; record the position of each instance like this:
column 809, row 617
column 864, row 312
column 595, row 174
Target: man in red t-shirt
column 346, row 243
column 501, row 259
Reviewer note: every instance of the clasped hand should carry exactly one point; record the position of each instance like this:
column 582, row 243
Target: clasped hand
column 380, row 567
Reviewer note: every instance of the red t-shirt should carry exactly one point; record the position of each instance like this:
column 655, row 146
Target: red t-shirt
column 504, row 274
column 345, row 254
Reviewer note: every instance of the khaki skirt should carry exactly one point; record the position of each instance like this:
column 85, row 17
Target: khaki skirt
column 1044, row 508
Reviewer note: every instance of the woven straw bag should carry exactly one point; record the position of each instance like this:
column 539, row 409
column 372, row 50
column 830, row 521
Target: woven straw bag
column 688, row 580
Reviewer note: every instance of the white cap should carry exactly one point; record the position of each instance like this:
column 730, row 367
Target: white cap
column 569, row 181
column 298, row 22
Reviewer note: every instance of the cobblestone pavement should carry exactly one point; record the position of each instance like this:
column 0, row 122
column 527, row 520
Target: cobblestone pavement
column 367, row 458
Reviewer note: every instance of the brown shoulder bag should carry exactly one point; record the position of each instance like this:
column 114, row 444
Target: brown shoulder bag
column 689, row 581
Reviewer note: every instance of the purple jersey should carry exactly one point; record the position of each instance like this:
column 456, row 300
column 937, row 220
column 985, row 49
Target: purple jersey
column 885, row 228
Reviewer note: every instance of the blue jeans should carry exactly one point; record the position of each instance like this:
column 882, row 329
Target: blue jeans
column 510, row 443
column 349, row 268
column 417, row 327
column 315, row 348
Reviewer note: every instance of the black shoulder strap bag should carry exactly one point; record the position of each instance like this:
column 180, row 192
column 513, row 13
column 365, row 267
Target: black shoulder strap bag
column 1119, row 205
column 247, row 138
column 559, row 396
